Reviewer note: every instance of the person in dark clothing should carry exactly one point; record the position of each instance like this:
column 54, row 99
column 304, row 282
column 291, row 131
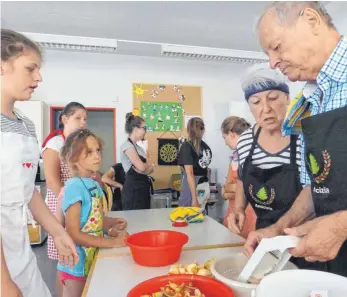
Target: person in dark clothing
column 136, row 190
column 115, row 177
column 194, row 158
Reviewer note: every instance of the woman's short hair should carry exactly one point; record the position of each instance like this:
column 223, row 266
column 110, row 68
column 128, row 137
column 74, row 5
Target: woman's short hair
column 260, row 78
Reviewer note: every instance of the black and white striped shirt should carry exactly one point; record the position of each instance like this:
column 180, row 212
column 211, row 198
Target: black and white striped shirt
column 21, row 125
column 262, row 158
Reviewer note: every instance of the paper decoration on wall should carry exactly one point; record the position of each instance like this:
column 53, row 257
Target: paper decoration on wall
column 136, row 112
column 177, row 88
column 168, row 151
column 156, row 92
column 139, row 91
column 162, row 116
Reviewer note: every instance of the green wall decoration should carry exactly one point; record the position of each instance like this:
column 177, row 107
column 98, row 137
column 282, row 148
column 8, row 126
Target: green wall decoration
column 162, row 116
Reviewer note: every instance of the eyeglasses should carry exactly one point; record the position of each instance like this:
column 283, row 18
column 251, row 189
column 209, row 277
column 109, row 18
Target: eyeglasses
column 144, row 127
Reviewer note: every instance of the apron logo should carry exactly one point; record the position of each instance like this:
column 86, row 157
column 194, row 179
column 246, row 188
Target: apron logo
column 315, row 168
column 263, row 196
column 322, row 190
column 28, row 165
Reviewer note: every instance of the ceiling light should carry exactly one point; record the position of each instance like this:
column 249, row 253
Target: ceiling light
column 208, row 53
column 74, row 43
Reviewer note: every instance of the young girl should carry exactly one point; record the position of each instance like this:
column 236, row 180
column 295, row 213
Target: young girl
column 73, row 117
column 82, row 206
column 232, row 127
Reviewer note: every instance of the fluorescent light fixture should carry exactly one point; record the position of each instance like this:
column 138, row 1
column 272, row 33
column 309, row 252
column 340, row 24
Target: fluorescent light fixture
column 212, row 54
column 74, row 43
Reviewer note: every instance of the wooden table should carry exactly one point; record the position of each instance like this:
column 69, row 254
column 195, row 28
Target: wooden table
column 208, row 234
column 115, row 277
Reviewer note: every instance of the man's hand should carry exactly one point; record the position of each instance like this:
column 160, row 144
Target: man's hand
column 236, row 220
column 10, row 289
column 255, row 237
column 66, row 249
column 322, row 238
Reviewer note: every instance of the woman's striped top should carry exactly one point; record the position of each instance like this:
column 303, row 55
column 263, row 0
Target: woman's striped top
column 262, row 158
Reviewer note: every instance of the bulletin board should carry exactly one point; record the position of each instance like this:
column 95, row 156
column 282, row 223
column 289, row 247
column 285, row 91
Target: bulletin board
column 165, row 108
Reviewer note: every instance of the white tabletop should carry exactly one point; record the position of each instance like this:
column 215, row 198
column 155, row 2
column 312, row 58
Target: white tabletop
column 207, row 233
column 115, row 277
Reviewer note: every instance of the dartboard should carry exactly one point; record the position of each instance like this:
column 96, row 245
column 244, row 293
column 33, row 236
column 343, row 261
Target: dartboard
column 168, row 153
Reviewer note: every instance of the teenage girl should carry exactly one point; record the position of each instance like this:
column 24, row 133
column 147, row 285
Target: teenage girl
column 73, row 117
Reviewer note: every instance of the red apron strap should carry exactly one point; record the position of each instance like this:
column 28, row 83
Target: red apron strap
column 51, row 135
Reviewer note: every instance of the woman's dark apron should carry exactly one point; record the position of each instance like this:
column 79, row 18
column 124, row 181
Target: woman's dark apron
column 272, row 192
column 325, row 138
column 136, row 189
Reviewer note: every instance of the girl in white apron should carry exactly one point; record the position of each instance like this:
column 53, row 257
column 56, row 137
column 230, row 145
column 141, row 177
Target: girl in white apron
column 82, row 206
column 72, row 117
column 20, row 74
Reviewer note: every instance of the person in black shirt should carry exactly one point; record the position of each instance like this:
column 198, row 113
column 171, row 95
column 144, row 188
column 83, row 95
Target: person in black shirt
column 115, row 177
column 194, row 158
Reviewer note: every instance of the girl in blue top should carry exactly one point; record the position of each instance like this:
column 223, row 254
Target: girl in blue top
column 82, row 206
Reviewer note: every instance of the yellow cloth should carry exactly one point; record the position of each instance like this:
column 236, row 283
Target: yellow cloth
column 186, row 213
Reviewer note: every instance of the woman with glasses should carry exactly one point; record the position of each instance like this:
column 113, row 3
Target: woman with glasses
column 136, row 189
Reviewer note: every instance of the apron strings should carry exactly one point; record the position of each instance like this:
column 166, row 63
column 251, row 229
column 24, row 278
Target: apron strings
column 28, row 215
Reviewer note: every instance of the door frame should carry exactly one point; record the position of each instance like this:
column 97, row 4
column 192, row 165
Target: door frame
column 52, row 109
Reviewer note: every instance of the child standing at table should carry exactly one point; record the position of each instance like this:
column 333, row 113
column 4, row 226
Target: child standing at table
column 82, row 206
column 232, row 127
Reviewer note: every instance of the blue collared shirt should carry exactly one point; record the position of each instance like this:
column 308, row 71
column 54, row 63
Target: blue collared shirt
column 330, row 92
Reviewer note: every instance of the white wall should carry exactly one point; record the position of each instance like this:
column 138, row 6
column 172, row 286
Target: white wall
column 102, row 79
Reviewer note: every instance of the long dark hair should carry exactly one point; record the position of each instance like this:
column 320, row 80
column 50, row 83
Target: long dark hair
column 131, row 122
column 68, row 111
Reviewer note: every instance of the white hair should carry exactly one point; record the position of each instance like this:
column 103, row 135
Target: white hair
column 289, row 11
column 260, row 75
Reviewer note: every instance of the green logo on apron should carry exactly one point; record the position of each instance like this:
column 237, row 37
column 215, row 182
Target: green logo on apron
column 264, row 196
column 315, row 168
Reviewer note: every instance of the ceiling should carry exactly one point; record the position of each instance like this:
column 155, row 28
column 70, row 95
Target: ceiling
column 219, row 24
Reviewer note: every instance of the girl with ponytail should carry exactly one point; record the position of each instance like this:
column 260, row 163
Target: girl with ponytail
column 73, row 117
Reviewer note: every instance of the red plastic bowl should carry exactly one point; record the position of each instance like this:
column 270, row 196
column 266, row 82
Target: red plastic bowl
column 156, row 248
column 208, row 286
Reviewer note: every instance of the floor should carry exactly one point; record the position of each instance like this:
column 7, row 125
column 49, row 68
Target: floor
column 47, row 267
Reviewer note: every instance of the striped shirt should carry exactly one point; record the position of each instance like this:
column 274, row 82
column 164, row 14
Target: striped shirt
column 261, row 158
column 22, row 125
column 332, row 87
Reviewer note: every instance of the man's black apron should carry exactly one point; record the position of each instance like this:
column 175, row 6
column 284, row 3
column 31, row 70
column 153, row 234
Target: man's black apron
column 272, row 192
column 325, row 138
column 136, row 189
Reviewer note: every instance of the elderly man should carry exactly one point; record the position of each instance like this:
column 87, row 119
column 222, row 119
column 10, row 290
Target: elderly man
column 301, row 40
